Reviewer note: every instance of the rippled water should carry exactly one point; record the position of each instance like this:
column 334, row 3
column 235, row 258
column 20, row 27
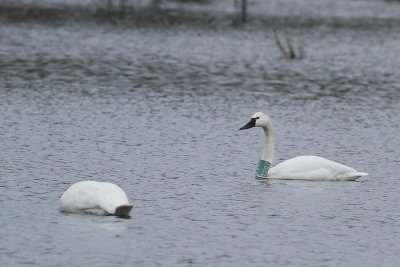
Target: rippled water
column 157, row 110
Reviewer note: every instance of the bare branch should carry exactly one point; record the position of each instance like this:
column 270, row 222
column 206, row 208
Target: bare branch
column 301, row 46
column 279, row 44
column 288, row 50
column 292, row 52
column 244, row 10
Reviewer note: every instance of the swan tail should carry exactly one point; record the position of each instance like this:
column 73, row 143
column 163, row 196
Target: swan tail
column 354, row 176
column 123, row 210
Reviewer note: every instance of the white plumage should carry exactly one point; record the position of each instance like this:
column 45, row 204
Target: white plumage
column 313, row 168
column 302, row 167
column 99, row 198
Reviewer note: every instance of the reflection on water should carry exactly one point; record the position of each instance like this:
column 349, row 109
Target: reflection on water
column 156, row 110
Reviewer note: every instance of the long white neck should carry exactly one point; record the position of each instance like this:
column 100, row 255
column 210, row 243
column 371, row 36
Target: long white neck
column 269, row 144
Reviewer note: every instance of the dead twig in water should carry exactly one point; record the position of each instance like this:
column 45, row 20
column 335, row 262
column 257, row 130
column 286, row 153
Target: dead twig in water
column 290, row 51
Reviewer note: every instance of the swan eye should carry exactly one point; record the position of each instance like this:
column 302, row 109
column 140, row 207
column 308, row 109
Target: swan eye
column 257, row 118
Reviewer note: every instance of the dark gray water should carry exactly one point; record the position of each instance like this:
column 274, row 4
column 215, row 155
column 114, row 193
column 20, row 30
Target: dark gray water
column 157, row 110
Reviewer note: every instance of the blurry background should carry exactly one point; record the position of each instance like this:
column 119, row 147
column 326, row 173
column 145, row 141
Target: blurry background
column 150, row 95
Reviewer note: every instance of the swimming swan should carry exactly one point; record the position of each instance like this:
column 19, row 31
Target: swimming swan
column 302, row 167
column 97, row 198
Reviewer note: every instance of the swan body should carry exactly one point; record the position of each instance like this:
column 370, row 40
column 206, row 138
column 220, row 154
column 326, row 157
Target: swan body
column 99, row 198
column 302, row 167
column 313, row 168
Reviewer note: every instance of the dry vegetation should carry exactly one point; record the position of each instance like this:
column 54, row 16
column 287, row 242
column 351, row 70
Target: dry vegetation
column 287, row 46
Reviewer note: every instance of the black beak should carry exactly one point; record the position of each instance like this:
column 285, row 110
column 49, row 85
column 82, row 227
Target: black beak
column 250, row 124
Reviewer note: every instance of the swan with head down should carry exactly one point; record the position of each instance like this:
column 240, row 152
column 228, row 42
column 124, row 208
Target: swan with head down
column 98, row 198
column 302, row 167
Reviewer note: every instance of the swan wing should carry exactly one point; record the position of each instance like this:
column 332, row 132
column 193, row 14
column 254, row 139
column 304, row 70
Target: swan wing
column 112, row 196
column 81, row 197
column 313, row 168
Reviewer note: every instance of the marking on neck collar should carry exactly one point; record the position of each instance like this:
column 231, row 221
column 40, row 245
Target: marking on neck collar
column 263, row 168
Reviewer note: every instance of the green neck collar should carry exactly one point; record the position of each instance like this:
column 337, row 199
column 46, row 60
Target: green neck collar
column 263, row 168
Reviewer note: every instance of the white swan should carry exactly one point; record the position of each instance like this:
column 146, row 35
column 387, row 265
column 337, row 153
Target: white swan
column 97, row 198
column 302, row 167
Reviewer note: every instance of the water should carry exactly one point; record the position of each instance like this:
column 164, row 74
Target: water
column 157, row 110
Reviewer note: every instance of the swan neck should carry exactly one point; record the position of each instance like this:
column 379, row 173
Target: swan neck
column 269, row 144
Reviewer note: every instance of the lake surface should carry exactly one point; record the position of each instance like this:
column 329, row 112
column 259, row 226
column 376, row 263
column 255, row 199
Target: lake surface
column 157, row 110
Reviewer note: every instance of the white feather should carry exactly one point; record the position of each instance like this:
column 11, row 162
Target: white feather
column 93, row 197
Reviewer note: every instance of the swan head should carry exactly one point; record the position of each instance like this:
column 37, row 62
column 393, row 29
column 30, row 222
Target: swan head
column 259, row 119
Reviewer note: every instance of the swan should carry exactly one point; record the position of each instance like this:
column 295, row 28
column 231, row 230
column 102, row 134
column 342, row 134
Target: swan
column 98, row 198
column 302, row 167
